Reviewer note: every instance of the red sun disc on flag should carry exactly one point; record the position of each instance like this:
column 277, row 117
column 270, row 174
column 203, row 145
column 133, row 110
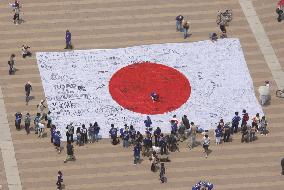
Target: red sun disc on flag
column 131, row 87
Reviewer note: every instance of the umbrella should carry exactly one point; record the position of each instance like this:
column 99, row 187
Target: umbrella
column 263, row 90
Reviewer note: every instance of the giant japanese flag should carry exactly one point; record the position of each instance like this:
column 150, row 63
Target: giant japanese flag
column 204, row 80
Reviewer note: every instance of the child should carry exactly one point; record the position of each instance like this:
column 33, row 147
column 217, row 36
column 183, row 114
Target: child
column 162, row 173
column 59, row 180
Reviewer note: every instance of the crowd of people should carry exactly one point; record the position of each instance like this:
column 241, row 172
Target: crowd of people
column 153, row 143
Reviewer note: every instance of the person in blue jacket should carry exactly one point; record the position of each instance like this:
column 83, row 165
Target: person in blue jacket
column 137, row 151
column 57, row 141
column 68, row 40
column 203, row 185
column 113, row 135
column 126, row 139
column 52, row 133
column 154, row 97
column 235, row 123
column 148, row 124
column 174, row 127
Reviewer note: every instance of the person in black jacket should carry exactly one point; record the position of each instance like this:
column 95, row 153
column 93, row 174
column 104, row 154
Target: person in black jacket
column 179, row 20
column 70, row 152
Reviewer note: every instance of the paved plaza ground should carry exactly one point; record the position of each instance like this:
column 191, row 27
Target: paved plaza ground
column 123, row 23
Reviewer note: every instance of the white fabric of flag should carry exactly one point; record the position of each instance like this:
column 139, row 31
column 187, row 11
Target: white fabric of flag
column 76, row 84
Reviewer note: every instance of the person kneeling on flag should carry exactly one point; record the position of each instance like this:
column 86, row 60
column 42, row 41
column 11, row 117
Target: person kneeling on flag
column 154, row 96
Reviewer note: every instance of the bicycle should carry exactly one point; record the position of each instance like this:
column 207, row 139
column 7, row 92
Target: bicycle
column 280, row 93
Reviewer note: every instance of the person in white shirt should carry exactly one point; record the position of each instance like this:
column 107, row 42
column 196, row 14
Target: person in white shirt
column 264, row 94
column 205, row 144
column 40, row 130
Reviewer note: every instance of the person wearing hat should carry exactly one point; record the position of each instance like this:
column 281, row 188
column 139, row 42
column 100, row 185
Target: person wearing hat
column 185, row 26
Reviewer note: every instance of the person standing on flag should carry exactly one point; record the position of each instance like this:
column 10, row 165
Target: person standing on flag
column 154, row 97
column 148, row 124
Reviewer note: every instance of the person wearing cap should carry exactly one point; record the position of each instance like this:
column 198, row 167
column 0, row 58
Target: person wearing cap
column 185, row 26
column 179, row 20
